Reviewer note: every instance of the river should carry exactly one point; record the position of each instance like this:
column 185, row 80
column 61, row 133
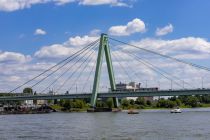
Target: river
column 192, row 124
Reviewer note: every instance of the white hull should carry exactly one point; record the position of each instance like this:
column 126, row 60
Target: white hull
column 176, row 111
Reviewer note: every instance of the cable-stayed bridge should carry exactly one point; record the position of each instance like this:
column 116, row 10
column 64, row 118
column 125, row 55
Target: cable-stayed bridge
column 122, row 61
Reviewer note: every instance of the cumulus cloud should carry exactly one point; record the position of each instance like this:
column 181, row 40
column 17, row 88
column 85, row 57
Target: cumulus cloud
column 62, row 2
column 188, row 45
column 191, row 49
column 13, row 5
column 65, row 49
column 102, row 2
column 81, row 41
column 134, row 26
column 40, row 32
column 95, row 32
column 54, row 51
column 165, row 30
column 9, row 57
column 14, row 78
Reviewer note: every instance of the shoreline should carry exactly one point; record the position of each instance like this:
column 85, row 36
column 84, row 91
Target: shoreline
column 84, row 111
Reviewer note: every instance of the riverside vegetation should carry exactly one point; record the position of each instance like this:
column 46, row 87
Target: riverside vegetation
column 139, row 103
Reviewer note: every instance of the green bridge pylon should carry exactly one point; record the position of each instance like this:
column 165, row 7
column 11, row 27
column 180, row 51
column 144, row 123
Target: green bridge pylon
column 103, row 48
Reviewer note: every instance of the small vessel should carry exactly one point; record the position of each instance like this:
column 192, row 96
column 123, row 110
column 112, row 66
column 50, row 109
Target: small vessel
column 176, row 110
column 116, row 110
column 133, row 112
column 99, row 109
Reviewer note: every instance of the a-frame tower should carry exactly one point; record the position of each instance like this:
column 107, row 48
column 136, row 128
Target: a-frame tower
column 103, row 49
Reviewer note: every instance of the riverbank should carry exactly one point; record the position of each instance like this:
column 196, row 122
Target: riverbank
column 60, row 108
column 18, row 109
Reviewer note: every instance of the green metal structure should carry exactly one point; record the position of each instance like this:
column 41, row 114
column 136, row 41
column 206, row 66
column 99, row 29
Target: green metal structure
column 103, row 48
column 118, row 94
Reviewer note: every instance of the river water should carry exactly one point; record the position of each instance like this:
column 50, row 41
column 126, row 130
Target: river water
column 192, row 124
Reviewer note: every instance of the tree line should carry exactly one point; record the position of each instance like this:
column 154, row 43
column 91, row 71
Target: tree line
column 139, row 103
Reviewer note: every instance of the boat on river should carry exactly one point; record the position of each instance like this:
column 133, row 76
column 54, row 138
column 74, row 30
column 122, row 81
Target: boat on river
column 176, row 110
column 133, row 112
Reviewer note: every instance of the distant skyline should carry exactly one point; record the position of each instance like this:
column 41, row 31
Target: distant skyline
column 38, row 33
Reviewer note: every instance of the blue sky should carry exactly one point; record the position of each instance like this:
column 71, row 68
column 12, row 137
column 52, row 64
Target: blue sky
column 34, row 32
column 189, row 18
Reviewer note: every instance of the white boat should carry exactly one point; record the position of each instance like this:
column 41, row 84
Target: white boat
column 176, row 110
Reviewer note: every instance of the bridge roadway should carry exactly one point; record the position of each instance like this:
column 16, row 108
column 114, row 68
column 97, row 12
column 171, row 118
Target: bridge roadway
column 110, row 94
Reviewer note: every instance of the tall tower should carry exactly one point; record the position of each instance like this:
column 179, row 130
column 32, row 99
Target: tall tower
column 103, row 49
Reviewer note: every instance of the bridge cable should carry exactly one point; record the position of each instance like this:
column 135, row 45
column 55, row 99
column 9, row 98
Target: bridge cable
column 74, row 72
column 53, row 67
column 75, row 81
column 130, row 67
column 151, row 67
column 163, row 55
column 92, row 70
column 157, row 71
column 123, row 68
column 59, row 68
column 163, row 71
column 65, row 71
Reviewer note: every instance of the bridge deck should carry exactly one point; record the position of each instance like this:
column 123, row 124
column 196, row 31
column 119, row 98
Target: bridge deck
column 111, row 94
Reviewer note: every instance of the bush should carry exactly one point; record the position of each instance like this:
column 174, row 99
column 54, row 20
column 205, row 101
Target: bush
column 140, row 101
column 149, row 103
column 192, row 101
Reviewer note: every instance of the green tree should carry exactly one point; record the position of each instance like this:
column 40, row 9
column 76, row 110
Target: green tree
column 67, row 104
column 205, row 99
column 28, row 90
column 49, row 101
column 79, row 104
column 148, row 102
column 100, row 104
column 125, row 103
column 140, row 101
column 192, row 101
column 61, row 102
column 166, row 103
column 110, row 102
column 183, row 99
column 178, row 102
column 132, row 102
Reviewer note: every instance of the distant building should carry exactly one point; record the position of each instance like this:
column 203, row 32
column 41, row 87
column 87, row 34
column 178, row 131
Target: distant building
column 132, row 86
column 29, row 102
column 41, row 102
column 52, row 92
column 127, row 87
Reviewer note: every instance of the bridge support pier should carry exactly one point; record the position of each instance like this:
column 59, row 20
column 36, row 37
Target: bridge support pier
column 103, row 48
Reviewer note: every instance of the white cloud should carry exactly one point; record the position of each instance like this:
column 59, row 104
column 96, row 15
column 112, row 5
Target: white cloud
column 165, row 30
column 13, row 5
column 95, row 32
column 102, row 2
column 81, row 41
column 62, row 2
column 54, row 51
column 6, row 57
column 14, row 78
column 134, row 26
column 66, row 49
column 40, row 32
column 190, row 47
